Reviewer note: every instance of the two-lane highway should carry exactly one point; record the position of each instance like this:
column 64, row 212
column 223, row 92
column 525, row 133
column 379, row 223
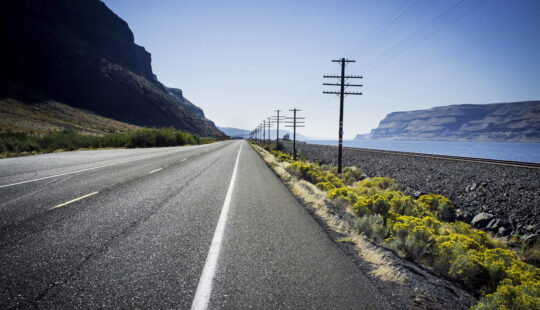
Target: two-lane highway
column 138, row 229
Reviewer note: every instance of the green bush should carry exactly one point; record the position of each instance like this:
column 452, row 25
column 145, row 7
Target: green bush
column 16, row 142
column 69, row 139
column 378, row 182
column 372, row 226
column 350, row 175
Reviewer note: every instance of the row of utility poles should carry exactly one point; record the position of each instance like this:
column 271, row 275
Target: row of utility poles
column 259, row 133
column 294, row 121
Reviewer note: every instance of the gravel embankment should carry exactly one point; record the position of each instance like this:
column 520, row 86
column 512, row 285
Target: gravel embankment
column 502, row 199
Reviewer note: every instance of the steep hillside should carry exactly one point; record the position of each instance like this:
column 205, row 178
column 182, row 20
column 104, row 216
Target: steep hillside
column 40, row 117
column 82, row 54
column 515, row 121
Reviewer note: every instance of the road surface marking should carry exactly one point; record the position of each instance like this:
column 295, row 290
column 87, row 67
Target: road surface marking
column 68, row 173
column 156, row 170
column 72, row 201
column 184, row 159
column 204, row 289
column 82, row 170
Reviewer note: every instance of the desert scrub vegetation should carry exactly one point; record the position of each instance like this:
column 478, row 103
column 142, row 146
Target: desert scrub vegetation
column 18, row 143
column 424, row 230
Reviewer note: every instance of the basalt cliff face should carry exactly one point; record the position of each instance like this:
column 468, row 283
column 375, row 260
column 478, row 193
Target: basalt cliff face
column 82, row 54
column 515, row 121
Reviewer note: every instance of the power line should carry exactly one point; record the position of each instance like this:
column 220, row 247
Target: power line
column 479, row 38
column 373, row 38
column 399, row 26
column 442, row 21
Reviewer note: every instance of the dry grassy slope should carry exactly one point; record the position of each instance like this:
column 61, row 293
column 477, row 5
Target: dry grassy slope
column 48, row 115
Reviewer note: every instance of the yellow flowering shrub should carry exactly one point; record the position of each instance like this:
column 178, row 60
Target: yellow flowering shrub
column 378, row 203
column 345, row 194
column 463, row 228
column 424, row 230
column 283, row 156
column 450, row 247
column 412, row 236
column 325, row 185
column 377, row 182
column 439, row 205
column 508, row 296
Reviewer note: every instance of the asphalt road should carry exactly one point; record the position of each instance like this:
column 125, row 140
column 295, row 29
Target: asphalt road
column 139, row 235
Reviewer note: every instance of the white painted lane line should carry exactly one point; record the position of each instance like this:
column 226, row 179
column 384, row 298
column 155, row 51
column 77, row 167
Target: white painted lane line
column 155, row 170
column 184, row 159
column 87, row 169
column 68, row 173
column 204, row 289
column 72, row 201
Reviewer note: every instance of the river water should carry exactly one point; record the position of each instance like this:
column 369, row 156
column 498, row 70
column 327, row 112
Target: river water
column 514, row 151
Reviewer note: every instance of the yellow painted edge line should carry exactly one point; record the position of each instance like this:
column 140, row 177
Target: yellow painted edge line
column 156, row 170
column 74, row 200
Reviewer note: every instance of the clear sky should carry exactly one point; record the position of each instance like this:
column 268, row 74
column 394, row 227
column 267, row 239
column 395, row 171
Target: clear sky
column 241, row 60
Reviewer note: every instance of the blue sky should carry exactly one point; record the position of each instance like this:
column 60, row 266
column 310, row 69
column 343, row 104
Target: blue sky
column 241, row 60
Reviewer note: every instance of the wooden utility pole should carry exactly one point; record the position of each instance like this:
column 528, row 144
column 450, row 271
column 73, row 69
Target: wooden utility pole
column 269, row 122
column 264, row 133
column 294, row 124
column 341, row 94
column 275, row 120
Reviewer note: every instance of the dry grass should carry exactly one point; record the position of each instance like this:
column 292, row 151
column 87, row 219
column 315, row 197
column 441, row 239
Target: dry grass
column 42, row 117
column 314, row 198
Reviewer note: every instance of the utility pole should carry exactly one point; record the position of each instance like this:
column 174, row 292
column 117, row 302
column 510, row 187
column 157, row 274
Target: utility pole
column 295, row 124
column 342, row 94
column 269, row 122
column 276, row 120
column 264, row 136
column 261, row 132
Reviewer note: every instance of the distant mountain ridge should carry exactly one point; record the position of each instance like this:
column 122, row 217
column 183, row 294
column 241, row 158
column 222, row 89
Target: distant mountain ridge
column 513, row 121
column 82, row 54
column 243, row 133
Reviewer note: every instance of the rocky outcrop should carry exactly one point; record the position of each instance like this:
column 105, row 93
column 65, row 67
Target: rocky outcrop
column 515, row 121
column 82, row 54
column 179, row 96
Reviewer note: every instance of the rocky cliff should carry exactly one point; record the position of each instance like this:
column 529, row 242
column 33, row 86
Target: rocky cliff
column 515, row 121
column 82, row 54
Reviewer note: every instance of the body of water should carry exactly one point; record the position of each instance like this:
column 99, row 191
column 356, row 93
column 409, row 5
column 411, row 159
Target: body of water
column 514, row 151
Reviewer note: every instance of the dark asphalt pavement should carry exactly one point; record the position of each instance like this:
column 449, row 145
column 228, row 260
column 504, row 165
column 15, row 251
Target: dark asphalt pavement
column 141, row 241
